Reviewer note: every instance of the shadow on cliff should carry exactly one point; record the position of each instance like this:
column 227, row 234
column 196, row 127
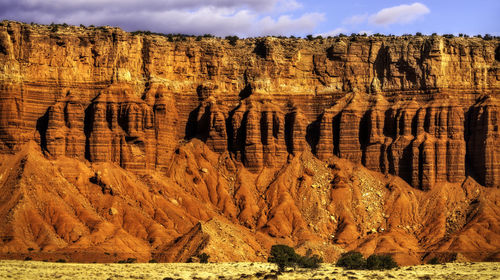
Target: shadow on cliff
column 42, row 125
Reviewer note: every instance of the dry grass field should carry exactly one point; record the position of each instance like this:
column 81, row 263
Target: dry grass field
column 46, row 270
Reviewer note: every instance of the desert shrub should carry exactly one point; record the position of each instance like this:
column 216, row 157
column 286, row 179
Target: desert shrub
column 283, row 256
column 488, row 37
column 28, row 259
column 418, row 34
column 61, row 261
column 153, row 261
column 448, row 36
column 203, row 257
column 232, row 40
column 54, row 27
column 30, row 249
column 433, row 261
column 129, row 260
column 310, row 37
column 309, row 262
column 352, row 260
column 380, row 262
column 355, row 260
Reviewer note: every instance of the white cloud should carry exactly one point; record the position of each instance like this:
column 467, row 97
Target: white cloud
column 333, row 32
column 285, row 25
column 355, row 20
column 144, row 5
column 401, row 14
column 218, row 17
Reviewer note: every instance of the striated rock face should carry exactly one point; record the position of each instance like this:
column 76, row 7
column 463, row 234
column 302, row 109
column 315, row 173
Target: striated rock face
column 322, row 141
column 411, row 107
column 483, row 144
column 65, row 128
column 259, row 134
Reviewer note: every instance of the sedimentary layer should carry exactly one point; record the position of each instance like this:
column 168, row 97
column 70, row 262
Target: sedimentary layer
column 275, row 119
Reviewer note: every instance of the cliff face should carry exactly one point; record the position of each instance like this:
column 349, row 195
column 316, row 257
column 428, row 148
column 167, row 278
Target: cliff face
column 424, row 109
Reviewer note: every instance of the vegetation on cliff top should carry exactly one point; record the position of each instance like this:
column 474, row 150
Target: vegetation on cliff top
column 176, row 37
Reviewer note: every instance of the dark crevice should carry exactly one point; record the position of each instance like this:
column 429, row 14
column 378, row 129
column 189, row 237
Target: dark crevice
column 241, row 136
column 312, row 134
column 289, row 123
column 264, row 128
column 336, row 134
column 276, row 126
column 192, row 124
column 420, row 163
column 365, row 128
column 405, row 164
column 381, row 65
column 42, row 125
column 230, row 131
column 87, row 128
column 389, row 130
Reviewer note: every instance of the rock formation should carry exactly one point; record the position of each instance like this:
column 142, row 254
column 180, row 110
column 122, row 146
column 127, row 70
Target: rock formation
column 310, row 141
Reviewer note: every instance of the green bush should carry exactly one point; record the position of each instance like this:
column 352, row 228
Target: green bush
column 433, row 261
column 488, row 37
column 355, row 260
column 129, row 260
column 309, row 262
column 352, row 260
column 232, row 40
column 380, row 262
column 203, row 257
column 283, row 256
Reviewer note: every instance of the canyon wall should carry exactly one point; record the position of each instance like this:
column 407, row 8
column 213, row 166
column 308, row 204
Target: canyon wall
column 423, row 108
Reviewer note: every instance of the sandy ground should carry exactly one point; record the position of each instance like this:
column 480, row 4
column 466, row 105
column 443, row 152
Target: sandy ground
column 46, row 270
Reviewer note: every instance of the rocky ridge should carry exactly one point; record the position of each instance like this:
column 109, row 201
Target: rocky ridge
column 275, row 120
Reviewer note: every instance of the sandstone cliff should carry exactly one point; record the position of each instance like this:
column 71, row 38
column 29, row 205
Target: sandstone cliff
column 287, row 138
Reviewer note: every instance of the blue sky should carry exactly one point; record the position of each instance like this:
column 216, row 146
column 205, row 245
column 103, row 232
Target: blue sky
column 266, row 17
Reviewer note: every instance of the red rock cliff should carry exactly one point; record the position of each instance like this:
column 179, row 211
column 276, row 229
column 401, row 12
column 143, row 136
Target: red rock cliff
column 425, row 109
